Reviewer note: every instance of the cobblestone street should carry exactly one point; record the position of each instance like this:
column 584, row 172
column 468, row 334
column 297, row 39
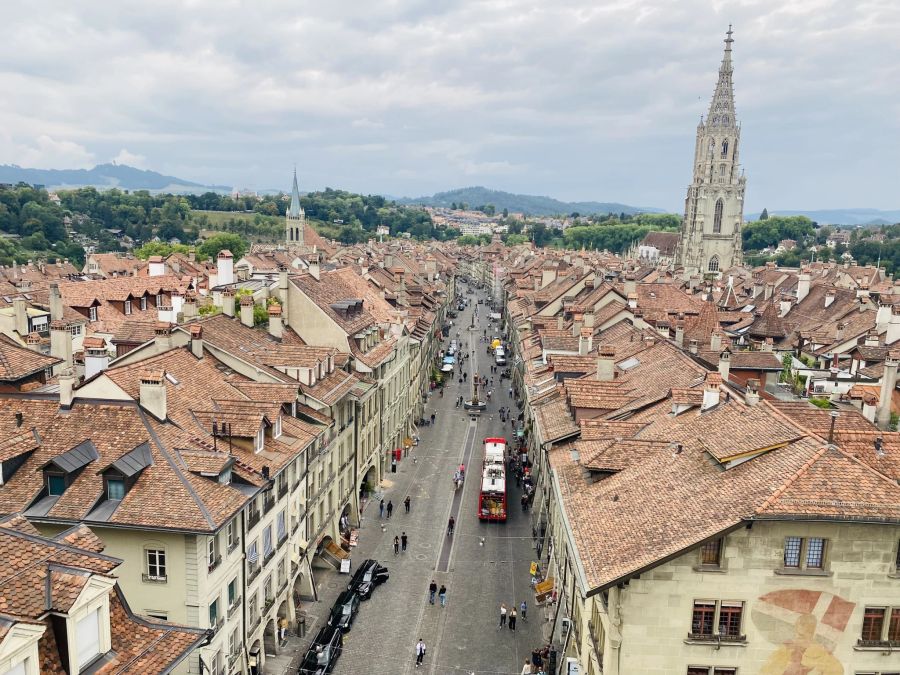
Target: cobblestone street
column 482, row 565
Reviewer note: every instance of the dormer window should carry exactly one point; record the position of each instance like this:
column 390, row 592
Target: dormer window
column 143, row 303
column 127, row 307
column 260, row 438
column 115, row 488
column 87, row 636
column 92, row 313
column 159, row 299
column 56, row 483
column 276, row 430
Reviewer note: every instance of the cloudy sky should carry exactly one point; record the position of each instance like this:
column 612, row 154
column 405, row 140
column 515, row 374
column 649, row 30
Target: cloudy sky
column 577, row 99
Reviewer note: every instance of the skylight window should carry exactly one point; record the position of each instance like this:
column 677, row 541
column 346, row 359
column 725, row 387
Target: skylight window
column 171, row 378
column 630, row 363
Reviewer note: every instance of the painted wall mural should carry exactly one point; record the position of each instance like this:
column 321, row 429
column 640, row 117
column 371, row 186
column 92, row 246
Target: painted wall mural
column 806, row 626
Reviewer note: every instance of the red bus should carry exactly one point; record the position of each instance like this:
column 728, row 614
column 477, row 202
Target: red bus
column 492, row 500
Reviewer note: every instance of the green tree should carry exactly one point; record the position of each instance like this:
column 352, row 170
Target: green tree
column 765, row 214
column 232, row 242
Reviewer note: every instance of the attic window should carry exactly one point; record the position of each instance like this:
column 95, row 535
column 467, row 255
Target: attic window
column 115, row 488
column 276, row 431
column 56, row 483
column 260, row 438
column 171, row 378
column 92, row 313
column 629, row 363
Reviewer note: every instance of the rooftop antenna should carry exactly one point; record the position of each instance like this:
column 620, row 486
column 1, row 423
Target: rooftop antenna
column 834, row 416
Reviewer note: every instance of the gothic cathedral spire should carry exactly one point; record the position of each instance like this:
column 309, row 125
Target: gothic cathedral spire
column 714, row 206
column 295, row 218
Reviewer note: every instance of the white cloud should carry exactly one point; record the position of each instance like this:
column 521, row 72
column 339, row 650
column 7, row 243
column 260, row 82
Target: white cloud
column 45, row 152
column 130, row 158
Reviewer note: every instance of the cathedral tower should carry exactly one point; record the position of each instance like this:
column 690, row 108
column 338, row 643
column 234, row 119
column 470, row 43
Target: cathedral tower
column 295, row 219
column 714, row 207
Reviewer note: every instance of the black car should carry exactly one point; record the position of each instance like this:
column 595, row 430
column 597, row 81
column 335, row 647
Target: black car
column 344, row 610
column 367, row 576
column 323, row 653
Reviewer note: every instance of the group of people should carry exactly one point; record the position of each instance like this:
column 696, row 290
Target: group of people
column 440, row 592
column 509, row 616
column 538, row 663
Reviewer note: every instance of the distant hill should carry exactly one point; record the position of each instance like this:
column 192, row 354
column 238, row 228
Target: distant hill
column 841, row 216
column 530, row 204
column 104, row 176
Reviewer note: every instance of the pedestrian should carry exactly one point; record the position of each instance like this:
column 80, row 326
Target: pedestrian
column 420, row 652
column 403, row 541
column 381, row 509
column 512, row 618
column 390, row 508
column 442, row 594
column 502, row 615
column 510, row 392
column 393, row 466
column 523, row 610
column 406, row 503
column 450, row 525
column 396, row 545
column 535, row 660
column 526, row 669
column 432, row 589
column 432, row 418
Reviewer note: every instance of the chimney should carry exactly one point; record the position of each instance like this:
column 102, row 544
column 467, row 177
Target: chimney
column 715, row 341
column 802, row 285
column 247, row 310
column 724, row 364
column 189, row 308
column 888, row 383
column 606, row 365
column 577, row 322
column 559, row 322
column 679, row 333
column 61, row 342
column 197, row 340
column 692, row 348
column 632, row 300
column 784, row 305
column 588, row 319
column 585, row 341
column 872, row 338
column 770, row 290
column 537, row 283
column 630, row 286
column 163, row 333
column 66, row 388
column 225, row 268
column 192, row 255
column 228, row 302
column 893, row 329
column 153, row 393
column 883, row 316
column 156, row 267
column 56, row 304
column 869, row 407
column 752, row 395
column 768, row 345
column 711, row 391
column 275, row 327
column 20, row 309
column 548, row 276
column 96, row 356
column 829, row 297
column 757, row 287
column 283, row 284
column 314, row 268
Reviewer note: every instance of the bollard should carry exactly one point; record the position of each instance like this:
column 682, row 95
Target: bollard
column 301, row 624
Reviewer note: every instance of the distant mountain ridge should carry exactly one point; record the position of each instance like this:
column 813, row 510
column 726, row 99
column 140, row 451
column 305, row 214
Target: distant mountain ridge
column 104, row 176
column 531, row 204
column 841, row 216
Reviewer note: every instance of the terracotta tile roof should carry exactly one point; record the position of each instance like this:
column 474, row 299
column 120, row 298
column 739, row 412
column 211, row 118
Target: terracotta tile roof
column 666, row 242
column 616, row 455
column 17, row 444
column 746, row 360
column 18, row 362
column 597, row 394
column 377, row 354
column 332, row 288
column 136, row 332
column 332, row 388
column 594, row 430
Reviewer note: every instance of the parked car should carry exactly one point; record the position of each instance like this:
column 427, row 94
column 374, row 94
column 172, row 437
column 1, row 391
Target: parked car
column 344, row 611
column 367, row 576
column 323, row 653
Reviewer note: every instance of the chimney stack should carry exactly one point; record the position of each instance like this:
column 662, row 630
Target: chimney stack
column 585, row 341
column 829, row 297
column 606, row 365
column 197, row 340
column 715, row 341
column 20, row 309
column 803, row 285
column 869, row 407
column 314, row 270
column 872, row 338
column 679, row 332
column 96, row 356
column 189, row 307
column 228, row 302
column 66, row 388
column 711, row 391
column 225, row 268
column 282, row 284
column 768, row 345
column 883, row 316
column 275, row 326
column 770, row 290
column 56, row 304
column 725, row 364
column 61, row 342
column 692, row 347
column 153, row 393
column 752, row 395
column 888, row 383
column 247, row 310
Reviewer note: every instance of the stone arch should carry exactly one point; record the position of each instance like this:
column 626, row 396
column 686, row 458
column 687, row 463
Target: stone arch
column 270, row 637
column 713, row 265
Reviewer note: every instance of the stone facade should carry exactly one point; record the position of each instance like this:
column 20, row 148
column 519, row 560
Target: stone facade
column 714, row 206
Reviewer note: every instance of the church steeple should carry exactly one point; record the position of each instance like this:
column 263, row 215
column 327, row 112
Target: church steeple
column 294, row 218
column 721, row 108
column 295, row 209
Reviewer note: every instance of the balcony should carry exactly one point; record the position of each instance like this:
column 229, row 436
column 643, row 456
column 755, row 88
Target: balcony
column 214, row 563
column 253, row 572
column 220, row 621
column 716, row 638
column 234, row 606
column 887, row 645
column 154, row 578
column 233, row 545
column 270, row 603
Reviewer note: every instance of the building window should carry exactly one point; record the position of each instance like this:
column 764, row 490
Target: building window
column 252, row 557
column 703, row 618
column 143, row 302
column 127, row 307
column 87, row 637
column 873, row 624
column 232, row 592
column 159, row 299
column 730, row 614
column 56, row 484
column 212, row 553
column 115, row 488
column 711, row 553
column 234, row 641
column 213, row 613
column 713, row 264
column 92, row 313
column 717, row 216
column 231, row 534
column 894, row 627
column 725, row 149
column 75, row 329
column 805, row 553
column 156, row 564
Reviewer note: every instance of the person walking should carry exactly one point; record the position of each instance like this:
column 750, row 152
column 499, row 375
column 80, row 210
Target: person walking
column 523, row 611
column 526, row 669
column 432, row 589
column 432, row 418
column 420, row 652
column 406, row 503
column 502, row 616
column 442, row 594
column 390, row 508
column 396, row 545
column 512, row 618
column 403, row 541
column 393, row 465
column 381, row 509
column 451, row 524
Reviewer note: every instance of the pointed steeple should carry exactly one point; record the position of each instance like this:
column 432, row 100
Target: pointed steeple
column 295, row 210
column 721, row 108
